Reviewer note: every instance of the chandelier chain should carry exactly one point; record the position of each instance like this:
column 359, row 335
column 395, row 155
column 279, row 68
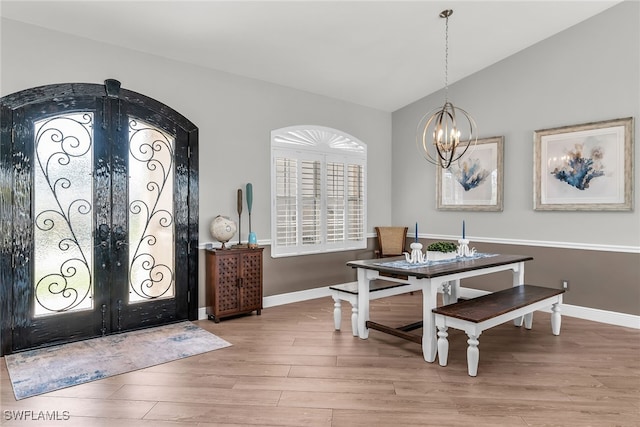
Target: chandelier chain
column 446, row 59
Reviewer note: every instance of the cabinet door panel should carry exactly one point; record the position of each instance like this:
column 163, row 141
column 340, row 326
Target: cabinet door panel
column 227, row 291
column 252, row 281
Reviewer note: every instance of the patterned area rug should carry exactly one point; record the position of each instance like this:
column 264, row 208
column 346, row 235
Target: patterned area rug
column 39, row 371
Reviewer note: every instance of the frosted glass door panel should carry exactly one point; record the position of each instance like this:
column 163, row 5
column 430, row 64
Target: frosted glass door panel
column 63, row 195
column 151, row 216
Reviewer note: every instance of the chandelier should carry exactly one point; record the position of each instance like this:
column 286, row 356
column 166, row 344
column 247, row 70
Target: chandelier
column 446, row 133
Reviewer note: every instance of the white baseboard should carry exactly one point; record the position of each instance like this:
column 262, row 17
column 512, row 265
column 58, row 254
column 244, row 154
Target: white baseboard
column 602, row 316
column 586, row 313
column 298, row 296
column 282, row 299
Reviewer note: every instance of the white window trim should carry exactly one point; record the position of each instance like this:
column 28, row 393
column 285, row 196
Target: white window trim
column 327, row 145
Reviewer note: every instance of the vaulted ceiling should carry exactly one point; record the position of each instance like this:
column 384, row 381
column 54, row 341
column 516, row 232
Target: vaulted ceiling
column 381, row 54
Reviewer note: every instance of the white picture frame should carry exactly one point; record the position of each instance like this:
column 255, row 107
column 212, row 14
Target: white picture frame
column 475, row 182
column 586, row 167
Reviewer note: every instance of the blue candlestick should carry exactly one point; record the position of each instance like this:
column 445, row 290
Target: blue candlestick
column 463, row 229
column 416, row 232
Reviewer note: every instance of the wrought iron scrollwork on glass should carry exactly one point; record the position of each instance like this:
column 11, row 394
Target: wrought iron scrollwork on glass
column 62, row 205
column 151, row 219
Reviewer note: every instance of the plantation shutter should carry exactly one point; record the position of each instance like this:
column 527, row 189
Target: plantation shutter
column 286, row 201
column 311, row 203
column 355, row 203
column 318, row 191
column 335, row 202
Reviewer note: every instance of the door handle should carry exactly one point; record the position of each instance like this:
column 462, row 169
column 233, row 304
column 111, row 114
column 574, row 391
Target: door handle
column 103, row 235
column 103, row 231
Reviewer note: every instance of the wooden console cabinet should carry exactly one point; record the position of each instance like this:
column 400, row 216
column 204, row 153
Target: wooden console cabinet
column 233, row 282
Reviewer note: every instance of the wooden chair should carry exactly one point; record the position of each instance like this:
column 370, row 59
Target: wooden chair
column 392, row 241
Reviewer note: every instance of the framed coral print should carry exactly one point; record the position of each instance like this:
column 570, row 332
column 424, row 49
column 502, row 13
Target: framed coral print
column 474, row 183
column 587, row 167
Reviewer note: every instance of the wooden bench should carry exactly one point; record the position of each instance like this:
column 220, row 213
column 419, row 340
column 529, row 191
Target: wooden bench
column 349, row 292
column 478, row 314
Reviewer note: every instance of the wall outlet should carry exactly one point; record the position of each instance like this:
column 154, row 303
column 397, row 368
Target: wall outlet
column 565, row 284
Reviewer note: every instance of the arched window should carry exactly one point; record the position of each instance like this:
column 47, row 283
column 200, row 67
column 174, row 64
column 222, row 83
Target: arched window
column 318, row 191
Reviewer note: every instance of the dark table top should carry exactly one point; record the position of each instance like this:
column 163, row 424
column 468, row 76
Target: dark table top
column 439, row 269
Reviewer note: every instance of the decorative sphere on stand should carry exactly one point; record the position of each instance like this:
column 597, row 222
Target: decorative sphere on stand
column 223, row 229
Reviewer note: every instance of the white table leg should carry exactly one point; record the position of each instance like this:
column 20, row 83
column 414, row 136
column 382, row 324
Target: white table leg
column 450, row 291
column 518, row 279
column 363, row 303
column 446, row 293
column 455, row 290
column 429, row 302
column 337, row 313
column 556, row 318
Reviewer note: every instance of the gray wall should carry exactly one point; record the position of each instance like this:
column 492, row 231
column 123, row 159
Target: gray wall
column 234, row 115
column 597, row 279
column 590, row 72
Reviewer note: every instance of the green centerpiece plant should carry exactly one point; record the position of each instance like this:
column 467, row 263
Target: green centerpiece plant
column 439, row 251
column 442, row 247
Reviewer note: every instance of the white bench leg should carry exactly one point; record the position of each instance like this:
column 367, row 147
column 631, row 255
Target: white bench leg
column 354, row 319
column 443, row 345
column 473, row 355
column 337, row 313
column 528, row 320
column 556, row 319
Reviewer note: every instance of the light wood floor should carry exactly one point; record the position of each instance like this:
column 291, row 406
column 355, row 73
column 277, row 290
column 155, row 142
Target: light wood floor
column 288, row 367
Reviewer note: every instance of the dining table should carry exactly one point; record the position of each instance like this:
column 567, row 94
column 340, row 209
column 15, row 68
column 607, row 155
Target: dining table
column 430, row 278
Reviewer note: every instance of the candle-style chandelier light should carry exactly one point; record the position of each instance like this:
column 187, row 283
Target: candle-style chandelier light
column 446, row 133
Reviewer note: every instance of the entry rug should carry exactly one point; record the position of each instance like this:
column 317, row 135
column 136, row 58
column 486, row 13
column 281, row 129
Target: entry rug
column 43, row 370
column 408, row 266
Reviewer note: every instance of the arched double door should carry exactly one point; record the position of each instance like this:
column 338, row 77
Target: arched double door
column 99, row 210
